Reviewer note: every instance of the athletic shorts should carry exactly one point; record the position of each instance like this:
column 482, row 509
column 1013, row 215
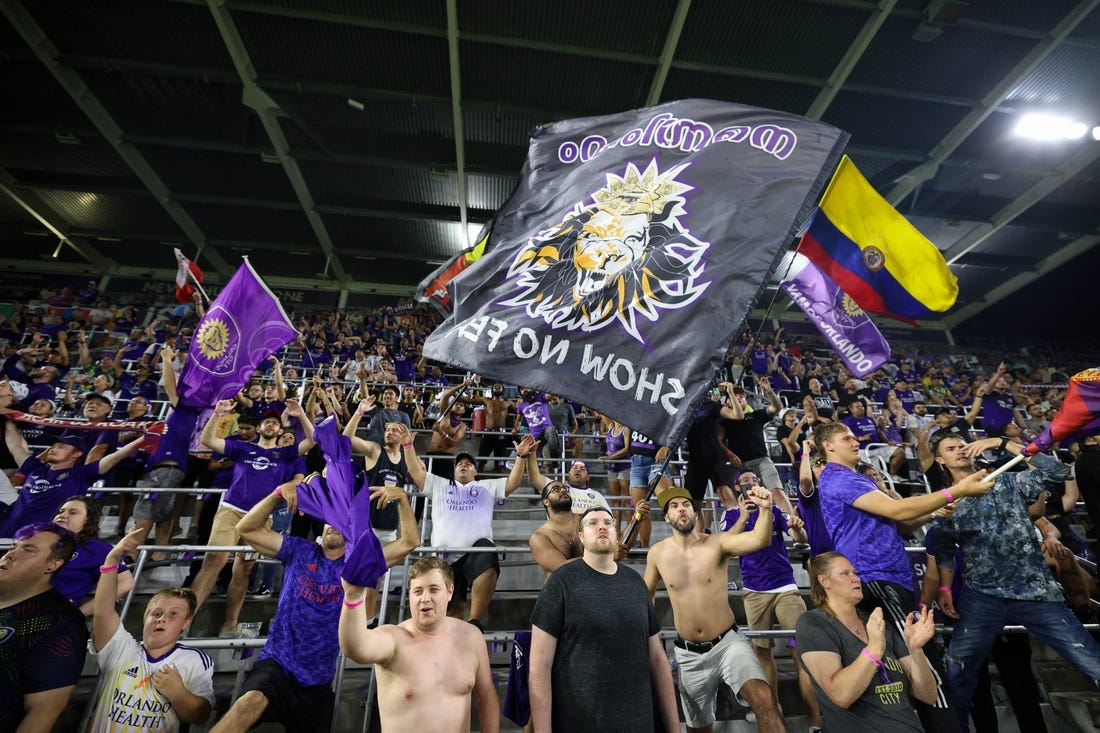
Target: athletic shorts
column 469, row 567
column 731, row 661
column 762, row 610
column 715, row 470
column 623, row 475
column 157, row 506
column 296, row 708
column 224, row 530
column 765, row 471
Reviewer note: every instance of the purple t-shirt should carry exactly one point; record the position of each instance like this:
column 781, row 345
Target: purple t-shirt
column 256, row 471
column 81, row 574
column 758, row 358
column 537, row 415
column 174, row 443
column 997, row 410
column 864, row 428
column 809, row 508
column 870, row 542
column 302, row 637
column 44, row 491
column 766, row 569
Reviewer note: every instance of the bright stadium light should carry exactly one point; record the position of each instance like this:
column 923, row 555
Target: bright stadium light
column 1096, row 133
column 1050, row 127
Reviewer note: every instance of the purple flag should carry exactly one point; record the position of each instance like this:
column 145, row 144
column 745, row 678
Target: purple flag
column 243, row 326
column 851, row 333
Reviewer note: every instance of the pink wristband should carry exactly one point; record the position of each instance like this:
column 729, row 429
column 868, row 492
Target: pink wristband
column 950, row 499
column 874, row 660
column 944, row 589
column 356, row 604
column 104, row 569
column 278, row 491
column 407, row 445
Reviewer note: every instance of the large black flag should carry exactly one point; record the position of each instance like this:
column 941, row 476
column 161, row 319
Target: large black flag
column 631, row 252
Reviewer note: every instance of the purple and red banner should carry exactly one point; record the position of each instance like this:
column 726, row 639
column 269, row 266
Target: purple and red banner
column 243, row 326
column 850, row 331
column 1079, row 416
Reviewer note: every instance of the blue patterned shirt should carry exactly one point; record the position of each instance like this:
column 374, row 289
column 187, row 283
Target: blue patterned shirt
column 999, row 544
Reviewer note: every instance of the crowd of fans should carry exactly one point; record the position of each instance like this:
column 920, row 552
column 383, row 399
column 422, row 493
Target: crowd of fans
column 764, row 440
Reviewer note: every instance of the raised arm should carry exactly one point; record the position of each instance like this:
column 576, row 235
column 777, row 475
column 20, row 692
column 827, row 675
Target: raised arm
column 209, row 436
column 368, row 448
column 17, row 444
column 106, row 464
column 252, row 529
column 168, row 372
column 357, row 642
column 774, row 405
column 524, row 448
column 294, row 409
column 105, row 619
column 280, row 388
column 742, row 543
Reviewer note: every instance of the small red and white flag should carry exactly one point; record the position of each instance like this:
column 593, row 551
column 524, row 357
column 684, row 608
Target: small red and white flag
column 184, row 274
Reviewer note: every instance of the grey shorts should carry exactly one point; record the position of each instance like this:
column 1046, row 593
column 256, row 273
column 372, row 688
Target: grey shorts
column 732, row 661
column 153, row 506
column 766, row 471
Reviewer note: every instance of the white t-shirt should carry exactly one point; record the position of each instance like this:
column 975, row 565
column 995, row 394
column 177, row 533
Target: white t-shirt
column 585, row 499
column 128, row 701
column 462, row 513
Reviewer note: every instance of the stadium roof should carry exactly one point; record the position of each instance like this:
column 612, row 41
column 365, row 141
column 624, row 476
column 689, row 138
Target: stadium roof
column 350, row 145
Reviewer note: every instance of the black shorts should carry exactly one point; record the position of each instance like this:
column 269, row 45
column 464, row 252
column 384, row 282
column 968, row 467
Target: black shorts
column 296, row 708
column 468, row 567
column 715, row 470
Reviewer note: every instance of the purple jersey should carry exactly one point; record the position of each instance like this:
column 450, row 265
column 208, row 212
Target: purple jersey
column 768, row 569
column 256, row 471
column 302, row 637
column 864, row 428
column 45, row 490
column 870, row 542
column 809, row 508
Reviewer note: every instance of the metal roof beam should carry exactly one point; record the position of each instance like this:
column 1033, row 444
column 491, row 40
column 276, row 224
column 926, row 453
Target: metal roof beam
column 54, row 222
column 974, row 119
column 851, row 57
column 1009, row 287
column 267, row 109
column 668, row 51
column 1039, row 191
column 248, row 202
column 46, row 52
column 273, row 281
column 456, row 115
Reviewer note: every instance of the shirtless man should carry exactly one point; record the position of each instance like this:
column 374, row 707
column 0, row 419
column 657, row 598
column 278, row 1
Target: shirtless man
column 556, row 542
column 448, row 431
column 495, row 441
column 426, row 665
column 708, row 648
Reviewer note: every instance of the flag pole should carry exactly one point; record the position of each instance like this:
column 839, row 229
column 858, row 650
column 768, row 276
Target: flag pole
column 198, row 285
column 651, row 490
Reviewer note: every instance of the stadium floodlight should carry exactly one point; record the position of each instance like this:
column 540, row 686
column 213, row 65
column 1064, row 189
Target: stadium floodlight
column 1050, row 127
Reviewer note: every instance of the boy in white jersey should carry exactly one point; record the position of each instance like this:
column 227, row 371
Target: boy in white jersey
column 157, row 684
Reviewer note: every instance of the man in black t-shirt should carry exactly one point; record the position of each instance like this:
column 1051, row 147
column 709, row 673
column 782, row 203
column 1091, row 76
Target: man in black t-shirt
column 744, row 428
column 707, row 457
column 43, row 638
column 601, row 665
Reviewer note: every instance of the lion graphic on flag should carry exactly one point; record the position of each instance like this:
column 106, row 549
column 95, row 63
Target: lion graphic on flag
column 622, row 254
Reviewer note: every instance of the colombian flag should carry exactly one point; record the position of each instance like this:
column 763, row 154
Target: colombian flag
column 874, row 254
